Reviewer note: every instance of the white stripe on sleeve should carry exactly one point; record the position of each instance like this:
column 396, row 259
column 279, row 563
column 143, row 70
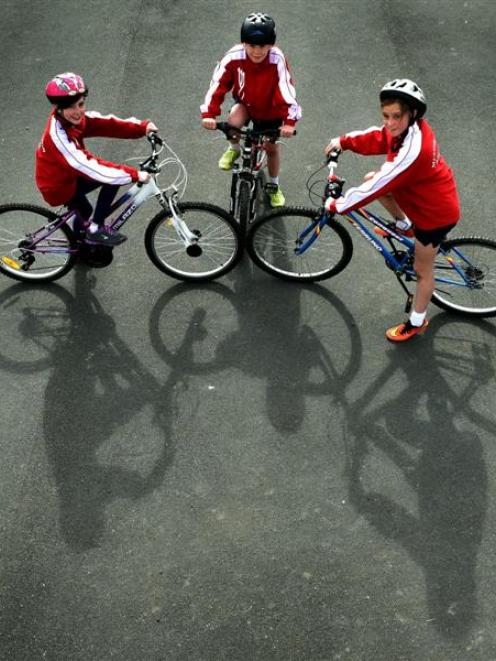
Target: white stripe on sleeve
column 97, row 115
column 285, row 86
column 408, row 153
column 371, row 129
column 78, row 160
column 236, row 53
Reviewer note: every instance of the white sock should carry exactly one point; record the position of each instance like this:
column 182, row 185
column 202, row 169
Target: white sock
column 274, row 180
column 403, row 223
column 236, row 146
column 417, row 318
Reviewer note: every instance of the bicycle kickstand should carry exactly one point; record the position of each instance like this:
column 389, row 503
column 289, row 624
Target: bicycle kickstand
column 409, row 296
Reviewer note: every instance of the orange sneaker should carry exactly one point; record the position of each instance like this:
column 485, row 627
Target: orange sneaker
column 405, row 331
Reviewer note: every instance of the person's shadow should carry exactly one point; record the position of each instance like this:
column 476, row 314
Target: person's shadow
column 96, row 386
column 423, row 431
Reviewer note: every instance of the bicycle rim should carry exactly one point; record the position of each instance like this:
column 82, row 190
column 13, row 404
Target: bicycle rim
column 217, row 249
column 48, row 260
column 274, row 238
column 466, row 277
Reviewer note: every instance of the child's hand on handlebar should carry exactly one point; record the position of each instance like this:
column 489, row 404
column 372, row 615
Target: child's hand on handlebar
column 151, row 128
column 334, row 145
column 209, row 123
column 143, row 176
column 330, row 205
column 287, row 131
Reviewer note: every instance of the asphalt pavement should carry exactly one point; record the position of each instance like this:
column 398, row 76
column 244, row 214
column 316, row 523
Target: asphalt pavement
column 245, row 470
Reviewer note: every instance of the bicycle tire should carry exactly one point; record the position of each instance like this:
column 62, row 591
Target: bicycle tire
column 243, row 206
column 262, row 204
column 271, row 245
column 17, row 261
column 219, row 243
column 478, row 297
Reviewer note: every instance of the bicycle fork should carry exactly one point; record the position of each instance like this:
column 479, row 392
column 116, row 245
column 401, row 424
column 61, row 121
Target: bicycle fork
column 168, row 200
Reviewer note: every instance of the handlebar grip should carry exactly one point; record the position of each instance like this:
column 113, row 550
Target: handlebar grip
column 154, row 138
column 333, row 156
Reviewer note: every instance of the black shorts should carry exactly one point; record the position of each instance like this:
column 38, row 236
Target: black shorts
column 260, row 125
column 434, row 237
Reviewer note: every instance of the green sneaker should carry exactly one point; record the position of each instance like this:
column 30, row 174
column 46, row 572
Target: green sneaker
column 227, row 159
column 277, row 198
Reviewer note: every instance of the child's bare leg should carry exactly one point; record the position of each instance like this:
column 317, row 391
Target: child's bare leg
column 273, row 159
column 237, row 117
column 388, row 202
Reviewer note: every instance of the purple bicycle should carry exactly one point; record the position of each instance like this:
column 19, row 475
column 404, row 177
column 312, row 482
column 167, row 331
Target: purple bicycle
column 193, row 241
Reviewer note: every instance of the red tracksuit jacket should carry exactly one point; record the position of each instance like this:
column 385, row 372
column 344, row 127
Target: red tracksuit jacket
column 61, row 156
column 421, row 181
column 265, row 89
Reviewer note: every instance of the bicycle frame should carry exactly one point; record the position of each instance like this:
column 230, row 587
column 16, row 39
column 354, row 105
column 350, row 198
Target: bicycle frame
column 133, row 199
column 253, row 160
column 400, row 266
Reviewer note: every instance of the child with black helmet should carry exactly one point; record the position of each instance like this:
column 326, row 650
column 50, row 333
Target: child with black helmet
column 257, row 74
column 415, row 185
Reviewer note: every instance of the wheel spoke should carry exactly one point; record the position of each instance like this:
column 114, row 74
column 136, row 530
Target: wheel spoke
column 466, row 278
column 215, row 252
column 48, row 260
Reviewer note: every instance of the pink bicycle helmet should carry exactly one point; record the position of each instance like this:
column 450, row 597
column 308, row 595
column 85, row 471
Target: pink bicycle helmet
column 65, row 89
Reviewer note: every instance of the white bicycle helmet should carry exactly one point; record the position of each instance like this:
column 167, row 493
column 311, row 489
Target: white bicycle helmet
column 408, row 91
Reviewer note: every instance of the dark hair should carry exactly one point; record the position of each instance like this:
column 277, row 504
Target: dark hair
column 405, row 107
column 63, row 102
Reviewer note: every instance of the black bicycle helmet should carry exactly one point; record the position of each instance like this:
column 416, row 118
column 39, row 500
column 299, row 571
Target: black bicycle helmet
column 407, row 91
column 258, row 29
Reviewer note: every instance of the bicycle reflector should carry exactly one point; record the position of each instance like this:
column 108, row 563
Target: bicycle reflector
column 11, row 262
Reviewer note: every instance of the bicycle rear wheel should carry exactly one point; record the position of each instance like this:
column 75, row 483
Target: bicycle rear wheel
column 46, row 261
column 466, row 277
column 217, row 250
column 272, row 241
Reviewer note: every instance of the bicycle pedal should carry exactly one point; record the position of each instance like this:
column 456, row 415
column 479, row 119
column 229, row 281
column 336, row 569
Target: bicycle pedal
column 270, row 188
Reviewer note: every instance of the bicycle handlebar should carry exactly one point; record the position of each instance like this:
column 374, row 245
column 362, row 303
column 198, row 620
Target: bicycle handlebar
column 333, row 156
column 154, row 138
column 334, row 186
column 150, row 164
column 231, row 131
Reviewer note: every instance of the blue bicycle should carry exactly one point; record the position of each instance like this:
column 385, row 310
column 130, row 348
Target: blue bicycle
column 307, row 245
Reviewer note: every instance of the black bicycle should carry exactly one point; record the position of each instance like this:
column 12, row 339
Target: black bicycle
column 248, row 183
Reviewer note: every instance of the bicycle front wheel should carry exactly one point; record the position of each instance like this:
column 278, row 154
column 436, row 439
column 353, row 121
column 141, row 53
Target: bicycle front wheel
column 243, row 206
column 465, row 277
column 274, row 238
column 217, row 250
column 27, row 260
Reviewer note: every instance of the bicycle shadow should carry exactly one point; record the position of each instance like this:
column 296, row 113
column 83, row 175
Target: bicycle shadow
column 96, row 386
column 422, row 432
column 279, row 337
